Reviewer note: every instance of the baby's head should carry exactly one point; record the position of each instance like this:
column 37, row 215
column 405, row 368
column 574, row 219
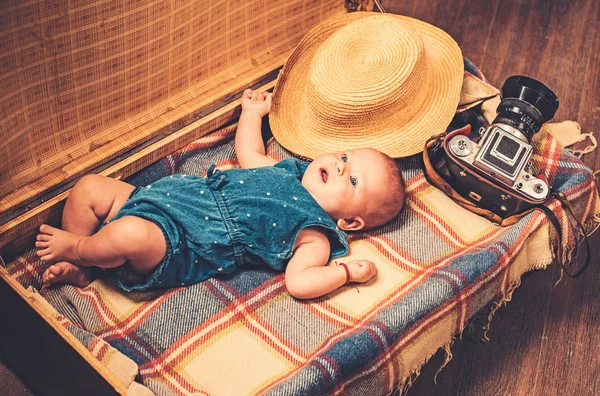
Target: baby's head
column 360, row 189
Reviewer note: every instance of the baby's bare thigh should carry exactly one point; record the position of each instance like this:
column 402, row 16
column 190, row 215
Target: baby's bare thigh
column 103, row 194
column 122, row 193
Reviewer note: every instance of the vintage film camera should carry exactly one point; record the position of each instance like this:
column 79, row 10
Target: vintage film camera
column 492, row 172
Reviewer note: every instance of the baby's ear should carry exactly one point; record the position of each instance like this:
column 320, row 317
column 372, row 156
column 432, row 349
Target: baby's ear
column 353, row 223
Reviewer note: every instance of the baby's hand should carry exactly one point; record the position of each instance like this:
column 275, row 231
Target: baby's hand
column 258, row 102
column 361, row 270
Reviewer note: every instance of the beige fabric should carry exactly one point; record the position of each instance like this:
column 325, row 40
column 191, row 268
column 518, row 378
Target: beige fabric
column 137, row 389
column 474, row 91
column 568, row 133
column 488, row 108
column 367, row 80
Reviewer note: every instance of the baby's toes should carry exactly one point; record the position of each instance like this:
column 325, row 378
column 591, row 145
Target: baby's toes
column 55, row 270
column 45, row 255
column 46, row 229
column 49, row 277
column 43, row 237
column 42, row 244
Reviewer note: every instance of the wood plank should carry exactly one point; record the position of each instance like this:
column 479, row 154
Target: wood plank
column 43, row 351
column 588, row 113
column 544, row 40
column 468, row 22
column 569, row 357
column 546, row 340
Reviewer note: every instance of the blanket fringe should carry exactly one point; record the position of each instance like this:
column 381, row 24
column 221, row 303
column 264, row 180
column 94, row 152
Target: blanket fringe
column 589, row 228
column 506, row 297
column 587, row 149
column 448, row 350
column 404, row 387
column 592, row 226
column 562, row 272
column 503, row 300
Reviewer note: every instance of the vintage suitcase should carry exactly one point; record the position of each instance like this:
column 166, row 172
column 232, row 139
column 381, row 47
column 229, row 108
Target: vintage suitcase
column 109, row 87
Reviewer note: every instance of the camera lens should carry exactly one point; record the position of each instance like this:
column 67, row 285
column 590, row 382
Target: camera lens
column 526, row 104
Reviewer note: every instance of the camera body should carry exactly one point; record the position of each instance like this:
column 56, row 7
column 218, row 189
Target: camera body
column 492, row 170
column 502, row 157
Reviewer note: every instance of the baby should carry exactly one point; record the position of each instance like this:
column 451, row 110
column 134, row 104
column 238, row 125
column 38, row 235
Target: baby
column 184, row 229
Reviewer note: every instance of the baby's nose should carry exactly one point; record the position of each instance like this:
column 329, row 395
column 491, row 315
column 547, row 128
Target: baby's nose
column 341, row 167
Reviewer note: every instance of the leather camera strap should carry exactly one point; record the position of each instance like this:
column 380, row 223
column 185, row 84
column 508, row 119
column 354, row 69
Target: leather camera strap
column 436, row 180
column 554, row 220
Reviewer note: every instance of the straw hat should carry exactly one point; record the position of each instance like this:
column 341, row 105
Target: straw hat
column 367, row 79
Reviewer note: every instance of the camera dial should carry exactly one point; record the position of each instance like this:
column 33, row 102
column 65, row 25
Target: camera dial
column 461, row 146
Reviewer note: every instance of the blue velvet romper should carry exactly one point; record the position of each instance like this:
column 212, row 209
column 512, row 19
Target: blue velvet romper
column 227, row 220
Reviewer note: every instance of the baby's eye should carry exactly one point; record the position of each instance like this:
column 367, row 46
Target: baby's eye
column 344, row 158
column 353, row 180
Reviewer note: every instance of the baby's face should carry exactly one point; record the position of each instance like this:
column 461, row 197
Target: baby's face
column 346, row 183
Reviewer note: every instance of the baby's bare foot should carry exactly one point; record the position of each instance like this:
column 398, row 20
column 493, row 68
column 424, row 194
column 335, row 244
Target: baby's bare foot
column 57, row 244
column 65, row 272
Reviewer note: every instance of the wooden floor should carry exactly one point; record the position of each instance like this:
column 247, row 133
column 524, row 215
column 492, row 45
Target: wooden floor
column 546, row 341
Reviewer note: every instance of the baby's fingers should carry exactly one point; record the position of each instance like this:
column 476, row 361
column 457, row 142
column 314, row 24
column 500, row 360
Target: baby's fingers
column 269, row 98
column 248, row 93
column 372, row 269
column 362, row 270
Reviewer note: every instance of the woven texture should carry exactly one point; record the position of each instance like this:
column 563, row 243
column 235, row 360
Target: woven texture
column 438, row 264
column 93, row 79
column 340, row 88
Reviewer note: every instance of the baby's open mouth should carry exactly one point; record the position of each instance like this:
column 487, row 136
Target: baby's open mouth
column 324, row 175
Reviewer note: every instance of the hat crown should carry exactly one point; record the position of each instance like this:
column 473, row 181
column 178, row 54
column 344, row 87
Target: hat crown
column 366, row 69
column 367, row 79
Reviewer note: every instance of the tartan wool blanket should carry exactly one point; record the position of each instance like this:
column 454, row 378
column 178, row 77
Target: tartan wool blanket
column 438, row 265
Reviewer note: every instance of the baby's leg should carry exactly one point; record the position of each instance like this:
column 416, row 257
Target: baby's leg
column 130, row 238
column 93, row 200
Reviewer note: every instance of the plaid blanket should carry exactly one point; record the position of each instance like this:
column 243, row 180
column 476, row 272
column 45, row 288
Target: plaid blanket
column 437, row 266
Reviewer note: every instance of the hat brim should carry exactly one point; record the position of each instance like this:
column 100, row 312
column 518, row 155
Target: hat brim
column 394, row 137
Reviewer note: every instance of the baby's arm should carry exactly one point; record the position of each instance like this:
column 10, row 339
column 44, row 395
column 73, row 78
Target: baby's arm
column 307, row 275
column 249, row 145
